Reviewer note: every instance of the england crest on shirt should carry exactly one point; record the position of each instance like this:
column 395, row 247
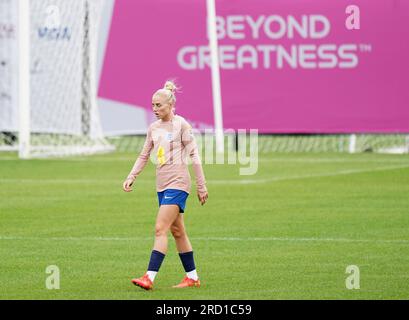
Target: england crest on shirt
column 169, row 136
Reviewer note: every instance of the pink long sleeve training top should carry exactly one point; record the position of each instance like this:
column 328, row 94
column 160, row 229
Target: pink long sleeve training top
column 172, row 143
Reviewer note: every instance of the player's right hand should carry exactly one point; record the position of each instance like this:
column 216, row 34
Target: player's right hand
column 127, row 185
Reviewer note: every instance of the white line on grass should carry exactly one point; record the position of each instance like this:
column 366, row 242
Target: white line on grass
column 68, row 181
column 232, row 239
column 333, row 160
column 307, row 176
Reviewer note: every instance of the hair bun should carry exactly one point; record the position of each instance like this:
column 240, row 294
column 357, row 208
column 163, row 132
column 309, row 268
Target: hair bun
column 169, row 85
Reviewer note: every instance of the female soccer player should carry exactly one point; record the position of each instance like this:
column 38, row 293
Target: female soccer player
column 171, row 139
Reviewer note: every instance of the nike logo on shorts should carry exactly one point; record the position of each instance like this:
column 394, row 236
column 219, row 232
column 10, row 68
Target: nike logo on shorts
column 168, row 197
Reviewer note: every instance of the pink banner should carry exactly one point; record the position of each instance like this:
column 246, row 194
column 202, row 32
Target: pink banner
column 287, row 66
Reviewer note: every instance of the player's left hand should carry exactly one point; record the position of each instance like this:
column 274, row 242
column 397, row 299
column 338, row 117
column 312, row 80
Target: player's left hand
column 203, row 196
column 127, row 185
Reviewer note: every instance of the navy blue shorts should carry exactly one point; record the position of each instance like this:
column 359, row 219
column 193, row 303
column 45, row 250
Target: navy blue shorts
column 173, row 196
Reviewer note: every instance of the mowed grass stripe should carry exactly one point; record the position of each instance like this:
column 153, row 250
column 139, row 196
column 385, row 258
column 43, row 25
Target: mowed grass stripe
column 211, row 181
column 246, row 239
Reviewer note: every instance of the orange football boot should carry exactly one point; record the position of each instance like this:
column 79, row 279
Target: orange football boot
column 144, row 282
column 187, row 282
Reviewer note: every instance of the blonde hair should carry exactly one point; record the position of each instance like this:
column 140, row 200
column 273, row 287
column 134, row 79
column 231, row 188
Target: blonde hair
column 168, row 90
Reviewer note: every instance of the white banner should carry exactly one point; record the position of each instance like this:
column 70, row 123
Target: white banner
column 8, row 65
column 57, row 50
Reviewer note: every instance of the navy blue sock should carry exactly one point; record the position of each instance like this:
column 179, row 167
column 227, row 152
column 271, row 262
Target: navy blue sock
column 155, row 261
column 187, row 261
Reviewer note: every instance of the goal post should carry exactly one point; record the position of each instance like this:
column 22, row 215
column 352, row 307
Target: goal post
column 215, row 75
column 56, row 87
column 23, row 84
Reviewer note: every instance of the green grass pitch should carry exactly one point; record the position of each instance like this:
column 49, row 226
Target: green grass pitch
column 288, row 232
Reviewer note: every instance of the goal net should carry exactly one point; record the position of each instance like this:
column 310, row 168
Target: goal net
column 56, row 114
